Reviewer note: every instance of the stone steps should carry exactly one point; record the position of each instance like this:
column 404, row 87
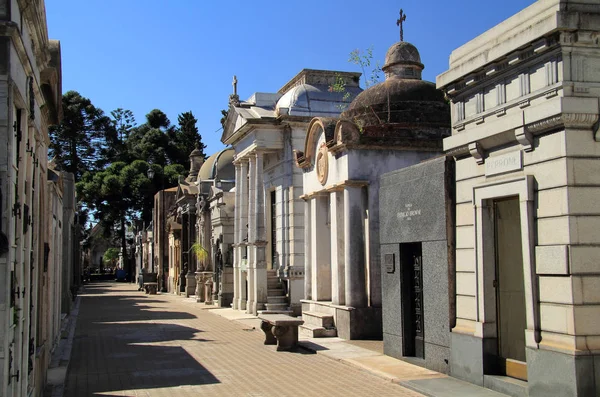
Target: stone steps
column 276, row 299
column 314, row 331
column 318, row 319
column 276, row 306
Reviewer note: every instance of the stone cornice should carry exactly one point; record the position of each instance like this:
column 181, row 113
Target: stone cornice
column 336, row 187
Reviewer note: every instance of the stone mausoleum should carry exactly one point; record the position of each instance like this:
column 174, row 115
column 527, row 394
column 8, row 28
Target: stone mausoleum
column 394, row 124
column 525, row 136
column 269, row 256
column 417, row 252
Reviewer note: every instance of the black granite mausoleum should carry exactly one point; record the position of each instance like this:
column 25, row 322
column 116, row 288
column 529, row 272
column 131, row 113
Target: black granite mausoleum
column 417, row 250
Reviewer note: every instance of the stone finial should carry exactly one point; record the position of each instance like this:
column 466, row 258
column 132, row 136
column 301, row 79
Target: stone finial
column 234, row 98
column 196, row 161
column 399, row 22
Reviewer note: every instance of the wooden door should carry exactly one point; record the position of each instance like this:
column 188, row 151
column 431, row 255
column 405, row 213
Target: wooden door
column 510, row 288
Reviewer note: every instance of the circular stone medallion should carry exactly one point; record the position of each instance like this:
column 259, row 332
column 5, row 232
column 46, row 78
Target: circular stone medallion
column 322, row 164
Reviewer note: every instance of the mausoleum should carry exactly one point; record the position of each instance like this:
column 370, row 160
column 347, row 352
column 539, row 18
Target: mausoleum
column 394, row 124
column 525, row 136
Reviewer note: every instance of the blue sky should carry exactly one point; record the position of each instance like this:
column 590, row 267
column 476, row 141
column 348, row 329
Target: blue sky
column 180, row 55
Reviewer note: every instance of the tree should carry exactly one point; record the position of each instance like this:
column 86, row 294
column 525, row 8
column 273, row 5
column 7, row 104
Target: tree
column 184, row 139
column 117, row 194
column 82, row 141
column 111, row 256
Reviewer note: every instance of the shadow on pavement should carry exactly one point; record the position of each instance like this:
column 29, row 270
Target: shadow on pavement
column 118, row 346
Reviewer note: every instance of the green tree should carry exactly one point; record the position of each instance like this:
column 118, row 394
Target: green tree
column 111, row 256
column 187, row 135
column 82, row 141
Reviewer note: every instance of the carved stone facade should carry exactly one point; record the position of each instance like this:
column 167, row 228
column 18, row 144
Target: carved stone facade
column 525, row 102
column 264, row 131
column 37, row 243
column 391, row 125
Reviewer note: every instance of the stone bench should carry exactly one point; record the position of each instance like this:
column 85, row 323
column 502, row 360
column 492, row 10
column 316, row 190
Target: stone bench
column 151, row 288
column 280, row 330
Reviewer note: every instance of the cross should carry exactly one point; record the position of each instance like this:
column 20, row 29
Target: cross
column 234, row 84
column 399, row 23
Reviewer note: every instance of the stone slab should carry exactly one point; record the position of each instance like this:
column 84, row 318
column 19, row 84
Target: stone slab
column 448, row 387
column 414, row 200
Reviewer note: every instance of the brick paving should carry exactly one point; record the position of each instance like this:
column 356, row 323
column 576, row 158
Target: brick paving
column 131, row 344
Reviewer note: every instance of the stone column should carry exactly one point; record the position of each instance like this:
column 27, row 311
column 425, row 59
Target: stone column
column 338, row 264
column 320, row 244
column 190, row 277
column 184, row 253
column 242, row 231
column 236, row 237
column 259, row 276
column 354, row 246
column 307, row 250
column 251, row 230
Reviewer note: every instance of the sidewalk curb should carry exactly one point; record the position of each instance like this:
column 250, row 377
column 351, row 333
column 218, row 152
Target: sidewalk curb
column 59, row 363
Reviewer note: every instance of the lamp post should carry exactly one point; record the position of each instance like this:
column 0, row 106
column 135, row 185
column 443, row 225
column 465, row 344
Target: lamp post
column 165, row 269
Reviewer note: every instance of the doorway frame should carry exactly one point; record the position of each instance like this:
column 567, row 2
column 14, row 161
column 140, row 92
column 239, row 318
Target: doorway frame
column 483, row 195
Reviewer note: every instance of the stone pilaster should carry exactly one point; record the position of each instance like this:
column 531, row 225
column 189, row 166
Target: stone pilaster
column 236, row 236
column 307, row 250
column 251, row 231
column 241, row 229
column 338, row 264
column 320, row 254
column 259, row 279
column 354, row 246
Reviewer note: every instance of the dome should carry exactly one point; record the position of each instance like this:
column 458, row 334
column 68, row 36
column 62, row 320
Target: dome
column 402, row 52
column 403, row 97
column 218, row 166
column 312, row 100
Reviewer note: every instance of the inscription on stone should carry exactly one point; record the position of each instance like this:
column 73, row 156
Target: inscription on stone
column 390, row 265
column 505, row 163
column 409, row 213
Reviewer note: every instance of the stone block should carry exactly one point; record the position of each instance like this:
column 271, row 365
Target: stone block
column 437, row 358
column 435, row 278
column 588, row 287
column 465, row 260
column 584, row 200
column 466, row 307
column 414, row 201
column 466, row 283
column 465, row 214
column 552, row 259
column 465, row 237
column 553, row 231
column 557, row 374
column 587, row 320
column 580, row 144
column 552, row 202
column 464, row 189
column 468, row 168
column 550, row 174
column 470, row 357
column 557, row 318
column 392, row 345
column 585, row 229
column 359, row 323
column 390, row 289
column 584, row 259
column 584, row 171
column 556, row 290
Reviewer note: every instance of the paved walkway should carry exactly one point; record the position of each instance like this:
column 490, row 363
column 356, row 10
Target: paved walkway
column 130, row 344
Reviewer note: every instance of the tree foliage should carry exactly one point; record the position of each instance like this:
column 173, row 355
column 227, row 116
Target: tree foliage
column 111, row 156
column 84, row 139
